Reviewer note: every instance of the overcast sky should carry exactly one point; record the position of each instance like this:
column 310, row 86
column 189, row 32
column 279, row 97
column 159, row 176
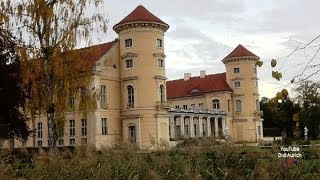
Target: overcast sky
column 203, row 32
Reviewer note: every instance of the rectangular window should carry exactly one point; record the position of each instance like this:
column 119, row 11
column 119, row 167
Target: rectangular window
column 39, row 143
column 228, row 105
column 84, row 130
column 185, row 106
column 237, row 84
column 159, row 42
column 161, row 63
column 256, row 83
column 103, row 96
column 177, row 106
column 129, row 63
column 186, row 128
column 236, row 70
column 60, row 142
column 257, row 104
column 39, row 130
column 104, row 125
column 72, row 126
column 200, row 105
column 195, row 129
column 193, row 106
column 255, row 70
column 238, row 105
column 128, row 42
column 259, row 131
column 72, row 141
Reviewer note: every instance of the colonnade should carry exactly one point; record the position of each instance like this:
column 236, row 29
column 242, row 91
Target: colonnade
column 189, row 126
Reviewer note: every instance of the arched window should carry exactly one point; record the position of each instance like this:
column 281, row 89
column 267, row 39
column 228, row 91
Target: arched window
column 130, row 97
column 216, row 104
column 162, row 93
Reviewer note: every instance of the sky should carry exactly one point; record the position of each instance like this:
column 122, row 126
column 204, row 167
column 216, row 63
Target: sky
column 203, row 32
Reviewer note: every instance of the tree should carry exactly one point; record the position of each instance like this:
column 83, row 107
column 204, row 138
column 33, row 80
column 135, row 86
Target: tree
column 309, row 99
column 52, row 29
column 12, row 121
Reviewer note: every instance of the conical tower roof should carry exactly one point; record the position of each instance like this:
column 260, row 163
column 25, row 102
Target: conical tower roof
column 240, row 51
column 140, row 14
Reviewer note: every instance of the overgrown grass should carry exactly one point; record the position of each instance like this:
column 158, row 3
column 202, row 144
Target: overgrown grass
column 193, row 159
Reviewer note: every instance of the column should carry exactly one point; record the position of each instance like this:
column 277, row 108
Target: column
column 216, row 131
column 200, row 126
column 182, row 126
column 223, row 124
column 191, row 127
column 208, row 126
column 172, row 127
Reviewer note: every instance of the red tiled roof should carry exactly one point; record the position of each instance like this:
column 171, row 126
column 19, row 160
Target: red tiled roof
column 210, row 83
column 240, row 51
column 140, row 13
column 93, row 53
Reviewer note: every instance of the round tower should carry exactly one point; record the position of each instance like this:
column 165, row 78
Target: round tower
column 143, row 78
column 241, row 76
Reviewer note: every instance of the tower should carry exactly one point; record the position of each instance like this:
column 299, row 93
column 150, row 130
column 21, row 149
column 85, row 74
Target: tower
column 241, row 76
column 142, row 69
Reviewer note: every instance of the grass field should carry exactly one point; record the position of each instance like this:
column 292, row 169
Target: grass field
column 193, row 159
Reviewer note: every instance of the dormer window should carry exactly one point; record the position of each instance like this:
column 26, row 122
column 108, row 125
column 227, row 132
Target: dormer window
column 159, row 43
column 236, row 70
column 195, row 90
column 128, row 42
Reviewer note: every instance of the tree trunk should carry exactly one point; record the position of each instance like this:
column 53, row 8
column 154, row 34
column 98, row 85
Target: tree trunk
column 52, row 135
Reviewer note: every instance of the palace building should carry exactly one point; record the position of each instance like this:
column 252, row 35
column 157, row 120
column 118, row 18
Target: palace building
column 139, row 105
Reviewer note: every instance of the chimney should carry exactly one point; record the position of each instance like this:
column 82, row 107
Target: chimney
column 187, row 76
column 202, row 73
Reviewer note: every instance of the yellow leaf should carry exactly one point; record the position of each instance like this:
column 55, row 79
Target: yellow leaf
column 273, row 63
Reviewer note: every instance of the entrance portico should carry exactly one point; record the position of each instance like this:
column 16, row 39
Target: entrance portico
column 190, row 123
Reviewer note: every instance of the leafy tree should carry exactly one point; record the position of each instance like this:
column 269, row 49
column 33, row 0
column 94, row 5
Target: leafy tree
column 309, row 99
column 279, row 113
column 12, row 121
column 51, row 71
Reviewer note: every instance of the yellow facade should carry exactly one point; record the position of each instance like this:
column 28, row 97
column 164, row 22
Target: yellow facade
column 135, row 107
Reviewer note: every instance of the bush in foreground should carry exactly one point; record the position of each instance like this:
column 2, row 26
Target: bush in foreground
column 189, row 161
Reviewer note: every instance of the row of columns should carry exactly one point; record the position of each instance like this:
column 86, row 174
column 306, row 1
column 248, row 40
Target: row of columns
column 191, row 126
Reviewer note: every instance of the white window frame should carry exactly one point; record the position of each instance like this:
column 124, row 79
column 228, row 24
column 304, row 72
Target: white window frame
column 236, row 70
column 160, row 63
column 185, row 106
column 162, row 93
column 159, row 43
column 128, row 42
column 238, row 105
column 72, row 128
column 127, row 63
column 84, row 127
column 39, row 130
column 215, row 103
column 237, row 84
column 104, row 126
column 103, row 96
column 130, row 97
